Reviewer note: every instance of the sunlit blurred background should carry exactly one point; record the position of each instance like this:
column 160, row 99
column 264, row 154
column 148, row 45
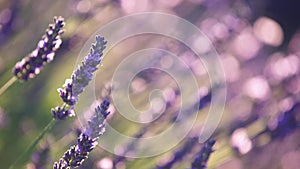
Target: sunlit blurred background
column 259, row 46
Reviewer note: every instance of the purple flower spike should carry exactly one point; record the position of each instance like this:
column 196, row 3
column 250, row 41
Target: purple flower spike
column 78, row 153
column 31, row 65
column 83, row 74
column 202, row 157
column 86, row 141
column 60, row 165
column 80, row 79
column 96, row 124
column 60, row 113
column 66, row 94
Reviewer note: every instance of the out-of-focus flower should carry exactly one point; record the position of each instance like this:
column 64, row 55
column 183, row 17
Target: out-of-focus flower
column 287, row 122
column 62, row 112
column 39, row 159
column 86, row 141
column 83, row 74
column 268, row 31
column 96, row 124
column 179, row 154
column 202, row 157
column 241, row 141
column 105, row 163
column 79, row 80
column 257, row 88
column 31, row 65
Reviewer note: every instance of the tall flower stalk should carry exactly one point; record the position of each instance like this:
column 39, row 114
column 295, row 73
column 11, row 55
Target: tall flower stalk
column 80, row 78
column 31, row 65
column 86, row 140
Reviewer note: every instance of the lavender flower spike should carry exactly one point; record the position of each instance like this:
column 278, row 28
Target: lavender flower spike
column 79, row 80
column 96, row 124
column 84, row 73
column 86, row 141
column 31, row 65
column 203, row 156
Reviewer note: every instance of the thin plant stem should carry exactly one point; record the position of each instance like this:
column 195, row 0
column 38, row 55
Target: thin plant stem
column 33, row 145
column 7, row 84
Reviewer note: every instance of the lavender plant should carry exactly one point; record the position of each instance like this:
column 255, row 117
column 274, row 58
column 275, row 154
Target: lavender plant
column 80, row 78
column 69, row 94
column 202, row 156
column 31, row 65
column 86, row 141
column 287, row 122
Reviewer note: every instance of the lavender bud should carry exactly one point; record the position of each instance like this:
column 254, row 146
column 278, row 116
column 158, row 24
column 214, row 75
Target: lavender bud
column 83, row 74
column 60, row 113
column 60, row 165
column 96, row 125
column 80, row 79
column 66, row 93
column 31, row 65
column 202, row 157
column 86, row 141
column 78, row 153
column 287, row 122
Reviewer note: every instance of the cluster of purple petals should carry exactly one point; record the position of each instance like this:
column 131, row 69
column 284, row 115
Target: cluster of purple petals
column 77, row 153
column 80, row 79
column 86, row 141
column 84, row 73
column 62, row 112
column 201, row 158
column 31, row 65
column 287, row 122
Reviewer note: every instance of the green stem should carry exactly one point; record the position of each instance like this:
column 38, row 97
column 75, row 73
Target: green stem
column 33, row 145
column 7, row 84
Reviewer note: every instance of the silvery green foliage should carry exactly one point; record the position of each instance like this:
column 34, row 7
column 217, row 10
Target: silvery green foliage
column 31, row 65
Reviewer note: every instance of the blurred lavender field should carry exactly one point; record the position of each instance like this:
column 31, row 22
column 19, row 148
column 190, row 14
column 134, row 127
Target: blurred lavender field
column 259, row 46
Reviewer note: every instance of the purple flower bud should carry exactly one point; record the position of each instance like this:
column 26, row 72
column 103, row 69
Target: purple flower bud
column 66, row 93
column 86, row 141
column 31, row 65
column 83, row 74
column 80, row 78
column 60, row 113
column 60, row 165
column 202, row 156
column 78, row 153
